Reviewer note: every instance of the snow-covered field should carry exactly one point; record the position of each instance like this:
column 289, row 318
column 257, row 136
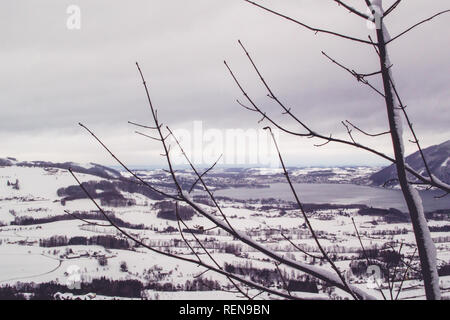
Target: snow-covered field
column 23, row 259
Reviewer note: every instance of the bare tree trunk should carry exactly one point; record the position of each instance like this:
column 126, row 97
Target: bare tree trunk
column 425, row 245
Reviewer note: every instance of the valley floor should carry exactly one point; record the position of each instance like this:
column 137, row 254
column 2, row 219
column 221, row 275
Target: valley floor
column 41, row 244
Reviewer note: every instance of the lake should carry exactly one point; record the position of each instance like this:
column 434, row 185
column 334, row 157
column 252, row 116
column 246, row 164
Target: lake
column 337, row 194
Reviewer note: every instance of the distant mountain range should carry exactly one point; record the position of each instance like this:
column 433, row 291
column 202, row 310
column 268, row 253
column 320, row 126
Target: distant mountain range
column 91, row 168
column 438, row 159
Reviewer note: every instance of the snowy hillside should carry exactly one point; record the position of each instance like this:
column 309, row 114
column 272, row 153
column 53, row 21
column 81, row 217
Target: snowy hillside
column 42, row 244
column 438, row 159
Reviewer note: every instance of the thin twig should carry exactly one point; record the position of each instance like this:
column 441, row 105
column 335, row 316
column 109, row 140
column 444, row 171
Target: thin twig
column 286, row 287
column 405, row 275
column 209, row 255
column 126, row 168
column 416, row 25
column 359, row 77
column 182, row 235
column 366, row 133
column 353, row 10
column 411, row 129
column 158, row 128
column 205, row 173
column 391, row 8
column 308, row 223
column 144, row 126
column 300, row 249
column 315, row 30
column 202, row 182
column 366, row 256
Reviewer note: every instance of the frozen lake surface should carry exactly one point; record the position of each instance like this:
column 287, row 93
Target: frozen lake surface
column 338, row 194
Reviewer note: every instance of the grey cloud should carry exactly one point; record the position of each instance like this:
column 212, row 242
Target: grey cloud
column 52, row 78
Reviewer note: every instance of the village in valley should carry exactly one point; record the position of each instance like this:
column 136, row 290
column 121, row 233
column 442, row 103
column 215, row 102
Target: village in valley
column 54, row 243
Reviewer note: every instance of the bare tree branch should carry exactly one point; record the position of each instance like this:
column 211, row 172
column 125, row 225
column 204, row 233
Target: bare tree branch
column 349, row 131
column 144, row 126
column 158, row 128
column 416, row 25
column 286, row 287
column 182, row 234
column 207, row 253
column 411, row 129
column 200, row 178
column 259, row 110
column 128, row 169
column 366, row 256
column 308, row 223
column 367, row 134
column 205, row 173
column 316, row 272
column 311, row 133
column 300, row 249
column 316, row 30
column 391, row 8
column 353, row 10
column 405, row 275
column 168, row 254
column 337, row 280
column 359, row 77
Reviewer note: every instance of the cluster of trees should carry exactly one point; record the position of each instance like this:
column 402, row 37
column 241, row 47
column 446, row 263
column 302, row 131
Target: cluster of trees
column 120, row 288
column 46, row 291
column 388, row 232
column 271, row 277
column 302, row 286
column 442, row 239
column 107, row 191
column 10, row 293
column 106, row 241
column 76, row 192
column 166, row 210
column 445, row 228
column 197, row 284
column 440, row 215
column 27, row 220
column 444, row 270
column 387, row 260
column 233, row 248
column 388, row 256
column 391, row 215
column 203, row 200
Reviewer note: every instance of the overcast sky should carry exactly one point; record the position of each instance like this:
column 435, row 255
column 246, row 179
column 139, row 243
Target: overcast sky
column 53, row 77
